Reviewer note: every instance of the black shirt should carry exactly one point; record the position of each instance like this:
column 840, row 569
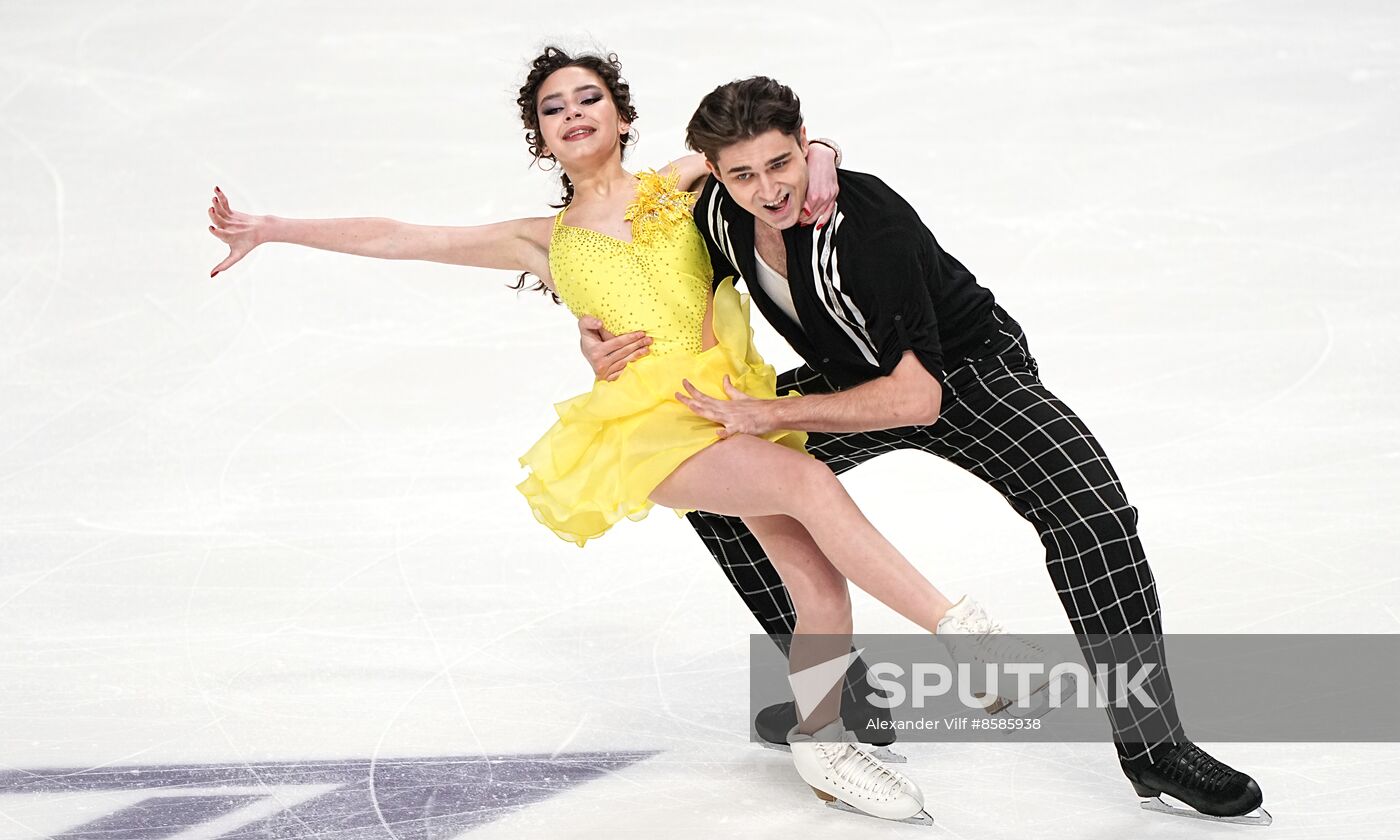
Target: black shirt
column 872, row 283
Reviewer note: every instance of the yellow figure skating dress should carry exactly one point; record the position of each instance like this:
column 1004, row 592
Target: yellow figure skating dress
column 612, row 446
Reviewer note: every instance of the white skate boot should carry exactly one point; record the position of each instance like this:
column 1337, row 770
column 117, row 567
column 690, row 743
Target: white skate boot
column 972, row 637
column 849, row 778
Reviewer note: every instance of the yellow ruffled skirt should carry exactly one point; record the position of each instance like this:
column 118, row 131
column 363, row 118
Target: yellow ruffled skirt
column 612, row 446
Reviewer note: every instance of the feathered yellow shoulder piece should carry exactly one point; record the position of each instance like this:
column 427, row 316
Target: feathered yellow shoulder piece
column 660, row 204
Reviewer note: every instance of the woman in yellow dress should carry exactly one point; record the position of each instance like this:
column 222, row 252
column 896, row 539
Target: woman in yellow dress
column 624, row 249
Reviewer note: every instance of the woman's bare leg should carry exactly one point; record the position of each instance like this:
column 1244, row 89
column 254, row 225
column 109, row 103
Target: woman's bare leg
column 750, row 477
column 823, row 604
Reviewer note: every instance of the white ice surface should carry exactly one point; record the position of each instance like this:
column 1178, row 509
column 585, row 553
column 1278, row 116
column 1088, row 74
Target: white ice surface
column 271, row 516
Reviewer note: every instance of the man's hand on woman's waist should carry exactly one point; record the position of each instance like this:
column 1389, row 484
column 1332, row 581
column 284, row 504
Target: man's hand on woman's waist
column 606, row 353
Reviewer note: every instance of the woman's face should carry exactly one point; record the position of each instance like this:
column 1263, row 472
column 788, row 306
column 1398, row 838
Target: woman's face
column 577, row 117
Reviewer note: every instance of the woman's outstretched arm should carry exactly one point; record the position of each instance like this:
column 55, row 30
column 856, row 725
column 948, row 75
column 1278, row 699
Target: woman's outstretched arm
column 517, row 245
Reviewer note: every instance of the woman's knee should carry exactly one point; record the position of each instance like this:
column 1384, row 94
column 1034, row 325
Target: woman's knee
column 816, row 587
column 824, row 599
column 828, row 612
column 813, row 488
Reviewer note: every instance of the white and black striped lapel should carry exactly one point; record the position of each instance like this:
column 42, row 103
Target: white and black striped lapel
column 826, row 282
column 717, row 213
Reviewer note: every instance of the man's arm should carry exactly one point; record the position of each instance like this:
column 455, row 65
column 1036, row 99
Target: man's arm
column 908, row 396
column 903, row 330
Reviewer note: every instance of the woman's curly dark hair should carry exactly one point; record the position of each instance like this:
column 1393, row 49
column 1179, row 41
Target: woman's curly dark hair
column 609, row 69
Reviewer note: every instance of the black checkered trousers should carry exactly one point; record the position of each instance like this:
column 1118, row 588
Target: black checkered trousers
column 1001, row 424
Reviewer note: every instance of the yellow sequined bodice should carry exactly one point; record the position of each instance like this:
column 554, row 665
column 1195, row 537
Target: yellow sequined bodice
column 659, row 282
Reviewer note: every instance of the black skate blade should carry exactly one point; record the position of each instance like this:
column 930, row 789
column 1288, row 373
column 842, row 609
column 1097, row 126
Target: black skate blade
column 1258, row 817
column 885, row 754
column 921, row 818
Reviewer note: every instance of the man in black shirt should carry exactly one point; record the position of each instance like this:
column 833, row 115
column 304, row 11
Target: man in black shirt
column 904, row 350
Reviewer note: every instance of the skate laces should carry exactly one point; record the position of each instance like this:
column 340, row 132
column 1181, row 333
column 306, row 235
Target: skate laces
column 990, row 636
column 973, row 620
column 860, row 769
column 1189, row 764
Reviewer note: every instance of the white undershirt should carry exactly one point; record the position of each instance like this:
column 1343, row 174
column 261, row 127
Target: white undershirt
column 775, row 286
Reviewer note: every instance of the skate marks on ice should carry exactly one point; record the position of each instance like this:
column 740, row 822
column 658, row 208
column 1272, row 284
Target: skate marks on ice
column 399, row 798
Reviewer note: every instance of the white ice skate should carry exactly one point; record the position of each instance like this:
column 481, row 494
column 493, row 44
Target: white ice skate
column 972, row 637
column 772, row 724
column 849, row 778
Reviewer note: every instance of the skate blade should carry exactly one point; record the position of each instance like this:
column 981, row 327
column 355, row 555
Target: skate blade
column 1257, row 817
column 885, row 754
column 921, row 818
column 1039, row 705
column 993, row 704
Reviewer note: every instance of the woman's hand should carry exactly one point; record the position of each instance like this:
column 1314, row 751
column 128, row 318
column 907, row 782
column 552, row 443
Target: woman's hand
column 821, row 185
column 241, row 232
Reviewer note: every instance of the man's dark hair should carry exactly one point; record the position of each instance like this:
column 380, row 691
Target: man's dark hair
column 742, row 110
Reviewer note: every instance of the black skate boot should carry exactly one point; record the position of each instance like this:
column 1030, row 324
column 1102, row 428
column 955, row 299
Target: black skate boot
column 862, row 719
column 1189, row 774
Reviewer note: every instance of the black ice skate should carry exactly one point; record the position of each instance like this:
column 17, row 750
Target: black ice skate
column 1211, row 789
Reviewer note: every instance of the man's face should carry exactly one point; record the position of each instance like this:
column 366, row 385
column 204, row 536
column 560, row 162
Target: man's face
column 767, row 175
